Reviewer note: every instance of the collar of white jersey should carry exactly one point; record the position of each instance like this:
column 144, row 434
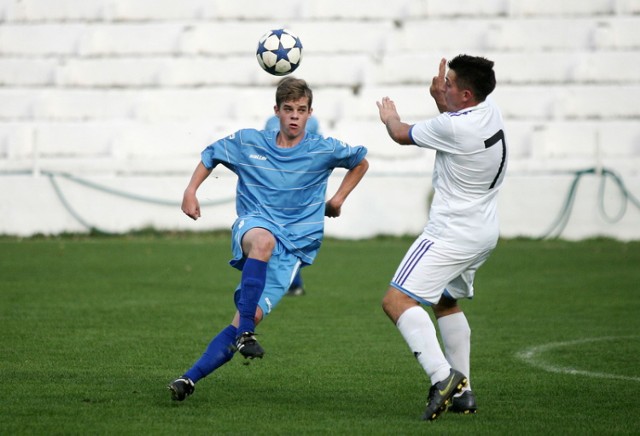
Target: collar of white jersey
column 469, row 109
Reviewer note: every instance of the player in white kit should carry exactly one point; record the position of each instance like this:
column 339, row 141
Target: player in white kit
column 471, row 159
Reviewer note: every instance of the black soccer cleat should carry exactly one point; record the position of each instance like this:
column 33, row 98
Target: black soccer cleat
column 441, row 393
column 248, row 346
column 295, row 291
column 181, row 388
column 465, row 404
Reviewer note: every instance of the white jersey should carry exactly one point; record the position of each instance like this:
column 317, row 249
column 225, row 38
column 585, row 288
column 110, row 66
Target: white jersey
column 470, row 164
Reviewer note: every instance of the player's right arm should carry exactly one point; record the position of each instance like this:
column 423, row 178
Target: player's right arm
column 397, row 130
column 190, row 203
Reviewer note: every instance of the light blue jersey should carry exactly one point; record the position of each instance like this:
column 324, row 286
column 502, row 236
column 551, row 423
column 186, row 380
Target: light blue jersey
column 282, row 189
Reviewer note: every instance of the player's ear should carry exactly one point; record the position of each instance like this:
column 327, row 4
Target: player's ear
column 275, row 109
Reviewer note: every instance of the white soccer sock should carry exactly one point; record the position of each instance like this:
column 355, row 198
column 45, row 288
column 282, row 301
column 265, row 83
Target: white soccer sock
column 456, row 337
column 418, row 331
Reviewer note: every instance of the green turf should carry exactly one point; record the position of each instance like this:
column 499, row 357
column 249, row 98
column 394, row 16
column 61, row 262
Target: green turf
column 94, row 328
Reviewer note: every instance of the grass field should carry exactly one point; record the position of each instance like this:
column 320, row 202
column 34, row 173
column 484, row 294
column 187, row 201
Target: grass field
column 94, row 328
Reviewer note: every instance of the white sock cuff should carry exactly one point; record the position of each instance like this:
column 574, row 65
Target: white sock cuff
column 455, row 321
column 410, row 315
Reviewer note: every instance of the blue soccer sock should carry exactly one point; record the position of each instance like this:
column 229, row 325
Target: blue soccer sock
column 219, row 352
column 254, row 276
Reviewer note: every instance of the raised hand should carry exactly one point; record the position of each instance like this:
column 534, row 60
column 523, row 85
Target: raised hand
column 439, row 86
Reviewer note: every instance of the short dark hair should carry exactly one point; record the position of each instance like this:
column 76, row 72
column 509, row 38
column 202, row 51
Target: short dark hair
column 291, row 89
column 474, row 73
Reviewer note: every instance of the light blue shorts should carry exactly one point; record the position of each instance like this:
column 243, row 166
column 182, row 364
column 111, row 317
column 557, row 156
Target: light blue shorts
column 281, row 269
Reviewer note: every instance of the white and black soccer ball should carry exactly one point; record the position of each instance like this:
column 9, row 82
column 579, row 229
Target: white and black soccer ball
column 279, row 52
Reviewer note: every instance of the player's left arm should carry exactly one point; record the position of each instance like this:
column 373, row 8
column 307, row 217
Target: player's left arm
column 439, row 86
column 333, row 206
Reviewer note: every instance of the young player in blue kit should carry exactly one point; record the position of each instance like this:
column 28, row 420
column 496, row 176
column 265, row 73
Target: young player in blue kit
column 296, row 288
column 281, row 204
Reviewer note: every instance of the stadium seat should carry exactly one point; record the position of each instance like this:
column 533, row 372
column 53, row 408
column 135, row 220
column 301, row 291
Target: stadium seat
column 22, row 71
column 132, row 39
column 620, row 138
column 355, row 37
column 18, row 103
column 157, row 10
column 77, row 104
column 211, row 38
column 484, row 9
column 561, row 8
column 618, row 34
column 446, row 37
column 128, row 72
column 563, row 140
column 405, row 68
column 79, row 138
column 519, row 136
column 60, row 10
column 584, row 66
column 273, row 14
column 330, row 104
column 346, row 70
column 569, row 101
column 550, row 34
column 16, row 141
column 48, row 39
column 594, row 101
column 166, row 140
column 188, row 104
column 373, row 11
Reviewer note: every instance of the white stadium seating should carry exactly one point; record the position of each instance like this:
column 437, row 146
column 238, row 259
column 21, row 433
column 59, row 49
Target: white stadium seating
column 111, row 88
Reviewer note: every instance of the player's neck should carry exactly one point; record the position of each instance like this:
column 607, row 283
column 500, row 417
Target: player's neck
column 284, row 142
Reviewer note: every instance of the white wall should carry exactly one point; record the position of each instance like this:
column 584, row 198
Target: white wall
column 106, row 104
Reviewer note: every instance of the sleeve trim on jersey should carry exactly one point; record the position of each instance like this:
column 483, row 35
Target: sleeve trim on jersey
column 361, row 154
column 411, row 134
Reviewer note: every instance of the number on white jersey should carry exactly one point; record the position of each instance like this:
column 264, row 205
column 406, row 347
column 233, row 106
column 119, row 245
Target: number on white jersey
column 498, row 137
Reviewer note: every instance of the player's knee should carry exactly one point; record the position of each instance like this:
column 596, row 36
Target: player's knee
column 266, row 243
column 259, row 243
column 385, row 304
column 394, row 303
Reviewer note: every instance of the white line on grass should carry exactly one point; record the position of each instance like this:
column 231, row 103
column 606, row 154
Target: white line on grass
column 533, row 356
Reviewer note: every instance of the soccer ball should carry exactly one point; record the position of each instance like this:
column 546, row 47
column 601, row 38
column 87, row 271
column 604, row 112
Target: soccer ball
column 279, row 52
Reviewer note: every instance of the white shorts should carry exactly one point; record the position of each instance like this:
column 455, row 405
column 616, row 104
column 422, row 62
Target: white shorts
column 431, row 269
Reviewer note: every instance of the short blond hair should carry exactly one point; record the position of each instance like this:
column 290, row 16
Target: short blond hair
column 292, row 89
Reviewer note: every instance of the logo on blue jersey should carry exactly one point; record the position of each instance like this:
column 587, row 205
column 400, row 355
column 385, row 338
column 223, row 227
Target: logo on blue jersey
column 257, row 156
